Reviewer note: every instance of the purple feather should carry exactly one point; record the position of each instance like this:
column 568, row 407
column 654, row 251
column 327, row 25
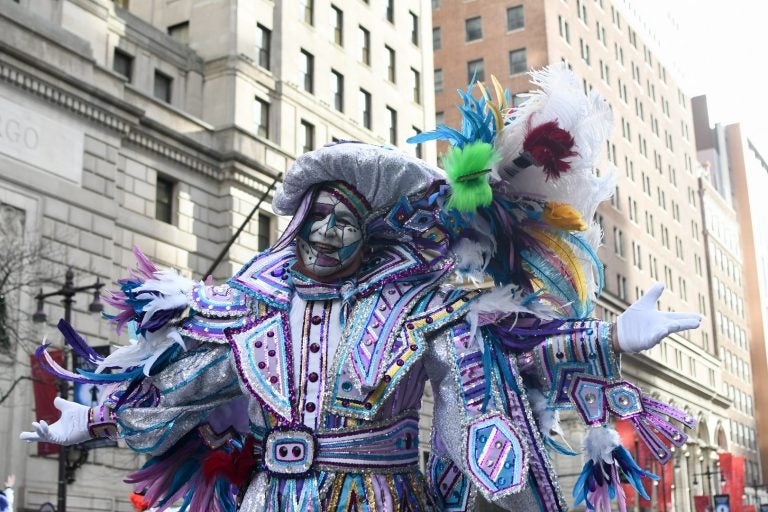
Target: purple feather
column 78, row 344
column 144, row 266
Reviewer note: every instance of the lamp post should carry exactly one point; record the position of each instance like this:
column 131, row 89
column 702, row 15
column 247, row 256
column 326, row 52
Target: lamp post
column 67, row 293
column 708, row 473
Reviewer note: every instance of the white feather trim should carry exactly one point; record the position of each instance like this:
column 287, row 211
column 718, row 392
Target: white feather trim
column 143, row 351
column 599, row 444
column 547, row 418
column 503, row 301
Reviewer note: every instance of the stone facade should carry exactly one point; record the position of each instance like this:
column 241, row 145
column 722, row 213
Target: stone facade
column 106, row 113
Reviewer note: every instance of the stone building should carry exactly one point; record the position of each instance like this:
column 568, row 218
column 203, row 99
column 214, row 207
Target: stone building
column 160, row 125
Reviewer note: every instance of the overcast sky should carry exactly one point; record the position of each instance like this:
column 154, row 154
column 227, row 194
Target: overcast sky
column 722, row 47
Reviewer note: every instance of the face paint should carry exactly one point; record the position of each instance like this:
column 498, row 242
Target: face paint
column 331, row 237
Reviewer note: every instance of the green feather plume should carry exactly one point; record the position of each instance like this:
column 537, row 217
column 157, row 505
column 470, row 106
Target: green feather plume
column 467, row 170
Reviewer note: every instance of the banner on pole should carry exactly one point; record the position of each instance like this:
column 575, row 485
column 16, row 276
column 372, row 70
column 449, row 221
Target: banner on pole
column 45, row 390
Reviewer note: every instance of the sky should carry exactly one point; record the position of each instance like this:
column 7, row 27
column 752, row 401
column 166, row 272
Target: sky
column 722, row 51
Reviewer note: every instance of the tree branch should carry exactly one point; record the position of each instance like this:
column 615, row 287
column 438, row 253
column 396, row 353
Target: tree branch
column 7, row 394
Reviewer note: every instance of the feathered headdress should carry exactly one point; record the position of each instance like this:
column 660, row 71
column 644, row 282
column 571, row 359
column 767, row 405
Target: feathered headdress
column 524, row 180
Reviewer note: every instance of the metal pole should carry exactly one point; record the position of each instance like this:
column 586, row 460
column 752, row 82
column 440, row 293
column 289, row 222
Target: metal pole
column 240, row 229
column 68, row 293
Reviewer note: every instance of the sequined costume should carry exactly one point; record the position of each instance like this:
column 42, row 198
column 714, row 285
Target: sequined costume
column 277, row 392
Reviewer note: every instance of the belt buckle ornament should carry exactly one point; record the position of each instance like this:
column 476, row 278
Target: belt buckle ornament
column 289, row 451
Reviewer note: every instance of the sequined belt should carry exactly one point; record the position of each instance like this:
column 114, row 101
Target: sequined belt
column 388, row 447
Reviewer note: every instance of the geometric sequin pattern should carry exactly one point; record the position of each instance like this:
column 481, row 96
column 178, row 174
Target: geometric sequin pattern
column 496, row 455
column 263, row 359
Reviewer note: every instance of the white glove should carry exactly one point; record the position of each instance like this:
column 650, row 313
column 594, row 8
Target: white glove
column 641, row 326
column 72, row 427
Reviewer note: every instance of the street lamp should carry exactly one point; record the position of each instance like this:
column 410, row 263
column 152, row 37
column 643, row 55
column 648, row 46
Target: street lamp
column 708, row 473
column 67, row 467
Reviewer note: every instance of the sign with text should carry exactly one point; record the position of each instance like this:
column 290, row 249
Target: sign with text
column 41, row 141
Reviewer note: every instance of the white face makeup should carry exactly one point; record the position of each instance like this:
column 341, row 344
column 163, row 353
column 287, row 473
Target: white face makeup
column 330, row 238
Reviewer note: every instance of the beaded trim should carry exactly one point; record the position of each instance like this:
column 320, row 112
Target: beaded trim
column 221, row 301
column 263, row 357
column 102, row 422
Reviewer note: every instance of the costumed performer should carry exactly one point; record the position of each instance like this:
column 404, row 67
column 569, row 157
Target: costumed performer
column 297, row 384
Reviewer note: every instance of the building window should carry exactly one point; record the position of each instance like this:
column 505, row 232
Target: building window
column 419, row 148
column 180, row 32
column 473, row 28
column 437, row 38
column 123, row 64
column 164, row 193
column 565, row 29
column 438, row 80
column 416, row 78
column 621, row 286
column 337, row 88
column 307, row 71
column 392, row 125
column 391, row 69
column 364, row 42
column 414, row 29
column 582, row 11
column 307, row 136
column 518, row 61
column 261, row 117
column 163, row 86
column 265, row 230
column 337, row 23
column 585, row 52
column 263, row 46
column 365, row 108
column 515, row 18
column 390, row 11
column 618, row 242
column 308, row 8
column 476, row 70
column 435, row 4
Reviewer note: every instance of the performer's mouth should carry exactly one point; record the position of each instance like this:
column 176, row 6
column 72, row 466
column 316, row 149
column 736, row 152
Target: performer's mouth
column 324, row 248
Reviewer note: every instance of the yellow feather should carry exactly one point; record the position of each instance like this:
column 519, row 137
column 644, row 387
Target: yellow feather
column 566, row 255
column 491, row 106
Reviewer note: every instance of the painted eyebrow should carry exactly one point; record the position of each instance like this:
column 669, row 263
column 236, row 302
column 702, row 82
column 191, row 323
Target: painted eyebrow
column 321, row 208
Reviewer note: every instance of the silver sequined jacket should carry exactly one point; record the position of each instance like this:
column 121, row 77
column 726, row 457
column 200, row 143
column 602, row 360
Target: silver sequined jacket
column 328, row 380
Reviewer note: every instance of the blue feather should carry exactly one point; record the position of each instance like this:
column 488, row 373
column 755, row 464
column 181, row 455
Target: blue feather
column 553, row 280
column 582, row 244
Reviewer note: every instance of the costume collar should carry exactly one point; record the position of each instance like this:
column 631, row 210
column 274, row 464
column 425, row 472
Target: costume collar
column 311, row 289
column 270, row 278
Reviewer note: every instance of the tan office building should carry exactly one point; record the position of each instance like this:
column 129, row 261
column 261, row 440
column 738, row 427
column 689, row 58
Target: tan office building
column 653, row 229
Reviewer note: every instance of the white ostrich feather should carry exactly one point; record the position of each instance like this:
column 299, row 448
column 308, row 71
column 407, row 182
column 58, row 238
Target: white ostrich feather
column 504, row 301
column 143, row 351
column 599, row 444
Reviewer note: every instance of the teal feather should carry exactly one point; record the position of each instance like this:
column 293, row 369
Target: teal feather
column 553, row 280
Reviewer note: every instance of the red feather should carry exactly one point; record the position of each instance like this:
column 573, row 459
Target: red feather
column 235, row 466
column 549, row 146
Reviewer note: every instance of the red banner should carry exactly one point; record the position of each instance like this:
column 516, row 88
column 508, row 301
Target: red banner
column 732, row 479
column 661, row 492
column 45, row 391
column 702, row 503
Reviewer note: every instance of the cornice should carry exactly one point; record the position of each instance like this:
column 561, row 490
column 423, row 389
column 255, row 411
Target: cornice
column 135, row 127
column 54, row 94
